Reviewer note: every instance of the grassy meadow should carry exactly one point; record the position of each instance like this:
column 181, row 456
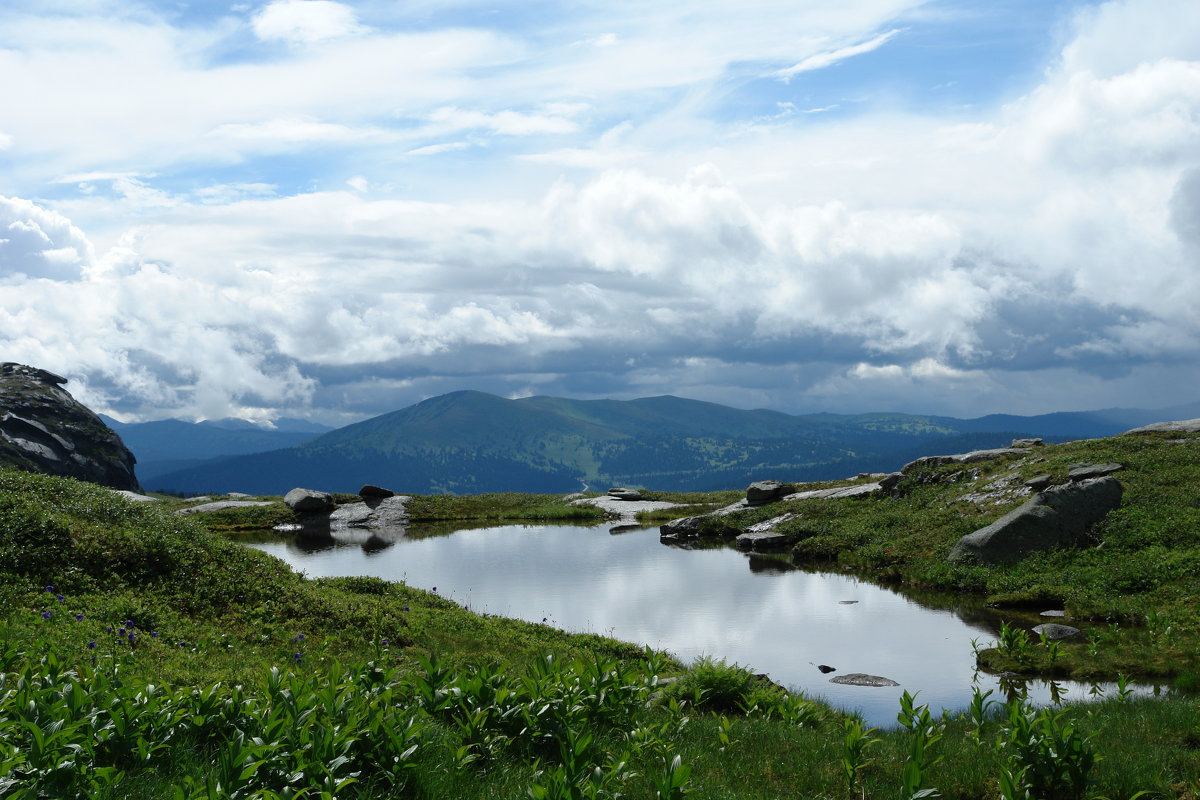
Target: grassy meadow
column 144, row 656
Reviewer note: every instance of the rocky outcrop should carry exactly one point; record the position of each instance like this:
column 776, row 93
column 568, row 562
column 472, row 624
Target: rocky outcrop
column 371, row 491
column 372, row 515
column 1178, row 426
column 929, row 462
column 1057, row 517
column 44, row 429
column 622, row 493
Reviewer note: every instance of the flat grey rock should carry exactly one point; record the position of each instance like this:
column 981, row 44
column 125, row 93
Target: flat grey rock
column 135, row 497
column 1178, row 426
column 1039, row 482
column 1079, row 472
column 1054, row 631
column 764, row 541
column 625, row 511
column 221, row 505
column 836, row 492
column 1053, row 613
column 862, row 679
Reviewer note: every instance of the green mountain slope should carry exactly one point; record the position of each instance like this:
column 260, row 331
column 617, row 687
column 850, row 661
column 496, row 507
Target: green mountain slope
column 473, row 442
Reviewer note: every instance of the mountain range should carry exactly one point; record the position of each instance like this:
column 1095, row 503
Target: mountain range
column 469, row 441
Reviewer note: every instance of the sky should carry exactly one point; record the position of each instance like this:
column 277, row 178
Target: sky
column 331, row 210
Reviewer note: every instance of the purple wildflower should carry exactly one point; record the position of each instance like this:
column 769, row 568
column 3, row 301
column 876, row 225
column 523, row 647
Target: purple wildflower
column 79, row 617
column 50, row 589
column 153, row 634
column 385, row 642
column 59, row 598
column 91, row 645
column 297, row 657
column 46, row 615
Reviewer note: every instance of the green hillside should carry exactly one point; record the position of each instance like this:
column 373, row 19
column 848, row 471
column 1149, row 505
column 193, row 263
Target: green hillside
column 476, row 442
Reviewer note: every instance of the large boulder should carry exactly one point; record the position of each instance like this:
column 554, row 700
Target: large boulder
column 762, row 492
column 1057, row 517
column 44, row 429
column 308, row 501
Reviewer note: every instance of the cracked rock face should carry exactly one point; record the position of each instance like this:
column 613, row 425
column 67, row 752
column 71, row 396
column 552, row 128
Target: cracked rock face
column 44, row 429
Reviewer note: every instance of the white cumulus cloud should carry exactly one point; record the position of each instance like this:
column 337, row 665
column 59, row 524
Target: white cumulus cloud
column 305, row 21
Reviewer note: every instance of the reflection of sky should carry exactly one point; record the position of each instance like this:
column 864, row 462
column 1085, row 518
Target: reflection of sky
column 692, row 603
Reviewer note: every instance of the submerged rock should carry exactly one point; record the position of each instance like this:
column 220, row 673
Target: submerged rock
column 1054, row 631
column 862, row 679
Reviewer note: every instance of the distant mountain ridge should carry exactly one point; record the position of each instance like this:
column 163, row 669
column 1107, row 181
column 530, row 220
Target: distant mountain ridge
column 169, row 445
column 471, row 441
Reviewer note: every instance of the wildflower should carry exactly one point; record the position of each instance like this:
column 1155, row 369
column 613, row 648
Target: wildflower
column 406, row 608
column 153, row 634
column 46, row 615
column 129, row 623
column 91, row 645
column 434, row 589
column 79, row 617
column 385, row 642
column 297, row 657
column 299, row 637
column 108, row 629
column 50, row 589
column 120, row 632
column 183, row 644
column 59, row 598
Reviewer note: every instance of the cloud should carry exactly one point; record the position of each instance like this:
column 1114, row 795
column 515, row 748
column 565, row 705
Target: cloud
column 305, row 21
column 38, row 243
column 270, row 247
column 831, row 57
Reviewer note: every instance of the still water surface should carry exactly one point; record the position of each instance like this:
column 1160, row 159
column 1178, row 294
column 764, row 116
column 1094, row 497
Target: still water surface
column 752, row 610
